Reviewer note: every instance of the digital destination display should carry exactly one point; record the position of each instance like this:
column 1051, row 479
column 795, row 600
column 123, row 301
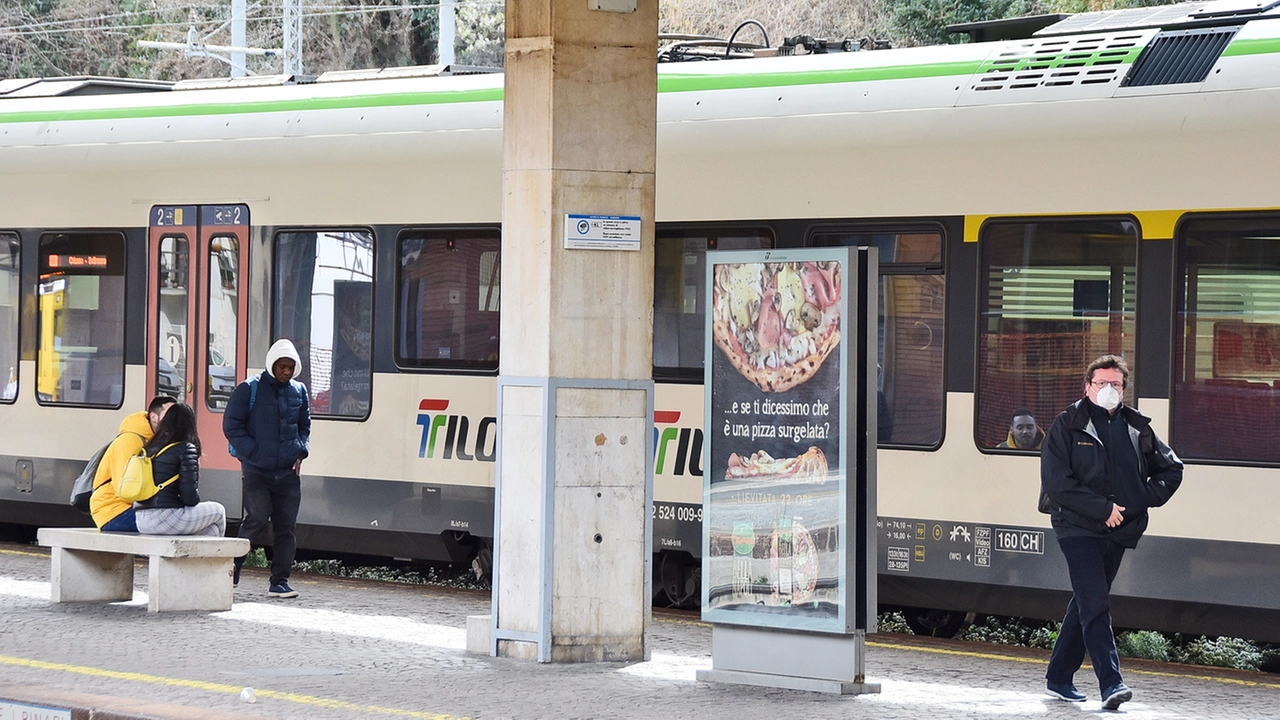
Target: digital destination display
column 57, row 262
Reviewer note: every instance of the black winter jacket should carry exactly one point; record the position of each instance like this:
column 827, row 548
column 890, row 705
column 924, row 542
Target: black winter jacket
column 1075, row 476
column 276, row 432
column 182, row 460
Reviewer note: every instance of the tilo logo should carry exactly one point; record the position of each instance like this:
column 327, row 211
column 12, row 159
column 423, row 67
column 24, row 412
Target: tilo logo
column 687, row 441
column 687, row 454
column 457, row 427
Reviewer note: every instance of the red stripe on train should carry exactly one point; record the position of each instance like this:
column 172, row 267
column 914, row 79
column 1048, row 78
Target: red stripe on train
column 429, row 404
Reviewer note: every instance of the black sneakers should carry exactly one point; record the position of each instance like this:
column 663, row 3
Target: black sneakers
column 1116, row 695
column 1066, row 691
column 282, row 590
column 235, row 576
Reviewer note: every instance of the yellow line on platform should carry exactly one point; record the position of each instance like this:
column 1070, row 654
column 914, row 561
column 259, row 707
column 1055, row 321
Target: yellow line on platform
column 960, row 653
column 1038, row 661
column 23, row 552
column 222, row 688
column 678, row 621
column 1208, row 678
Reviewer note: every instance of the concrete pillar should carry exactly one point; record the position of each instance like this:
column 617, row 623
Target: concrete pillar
column 575, row 395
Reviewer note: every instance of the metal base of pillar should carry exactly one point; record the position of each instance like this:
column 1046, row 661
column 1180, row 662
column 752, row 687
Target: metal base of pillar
column 794, row 660
column 788, row 682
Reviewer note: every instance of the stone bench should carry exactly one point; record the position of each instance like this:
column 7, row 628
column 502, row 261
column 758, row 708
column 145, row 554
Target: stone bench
column 186, row 572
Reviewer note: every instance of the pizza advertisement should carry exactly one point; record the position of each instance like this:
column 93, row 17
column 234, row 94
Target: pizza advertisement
column 774, row 486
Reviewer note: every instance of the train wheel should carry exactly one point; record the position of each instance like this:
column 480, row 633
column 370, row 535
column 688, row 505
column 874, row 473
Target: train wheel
column 936, row 623
column 679, row 576
column 482, row 564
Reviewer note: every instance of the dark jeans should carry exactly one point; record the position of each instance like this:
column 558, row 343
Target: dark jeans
column 126, row 521
column 276, row 500
column 1093, row 563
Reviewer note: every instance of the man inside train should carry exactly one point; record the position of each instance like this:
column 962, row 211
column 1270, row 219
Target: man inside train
column 109, row 512
column 1023, row 432
column 1101, row 467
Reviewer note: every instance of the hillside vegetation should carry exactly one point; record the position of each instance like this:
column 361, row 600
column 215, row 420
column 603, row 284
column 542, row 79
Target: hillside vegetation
column 50, row 38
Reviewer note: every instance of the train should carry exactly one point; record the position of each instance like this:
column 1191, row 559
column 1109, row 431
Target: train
column 1056, row 189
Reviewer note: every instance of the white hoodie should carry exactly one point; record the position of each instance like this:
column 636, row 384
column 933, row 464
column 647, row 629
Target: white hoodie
column 284, row 349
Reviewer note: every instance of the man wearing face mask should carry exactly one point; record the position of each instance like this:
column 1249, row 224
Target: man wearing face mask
column 1101, row 467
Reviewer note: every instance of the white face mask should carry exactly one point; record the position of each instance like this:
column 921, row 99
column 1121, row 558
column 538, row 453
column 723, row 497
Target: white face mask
column 1109, row 398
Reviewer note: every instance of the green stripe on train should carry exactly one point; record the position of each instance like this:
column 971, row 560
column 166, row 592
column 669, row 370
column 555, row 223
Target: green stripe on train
column 1252, row 46
column 667, row 83
column 674, row 82
column 205, row 109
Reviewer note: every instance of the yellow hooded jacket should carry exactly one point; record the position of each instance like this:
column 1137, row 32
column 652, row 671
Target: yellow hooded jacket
column 104, row 504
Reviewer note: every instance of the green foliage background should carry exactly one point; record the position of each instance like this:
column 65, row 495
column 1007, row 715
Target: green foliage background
column 924, row 22
column 52, row 38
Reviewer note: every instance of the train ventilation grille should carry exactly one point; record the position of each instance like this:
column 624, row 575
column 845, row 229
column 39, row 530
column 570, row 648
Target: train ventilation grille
column 1060, row 62
column 1180, row 56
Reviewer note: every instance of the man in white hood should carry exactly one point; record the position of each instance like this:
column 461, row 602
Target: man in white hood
column 268, row 425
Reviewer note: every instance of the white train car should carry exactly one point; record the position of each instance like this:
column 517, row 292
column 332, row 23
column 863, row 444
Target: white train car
column 1108, row 184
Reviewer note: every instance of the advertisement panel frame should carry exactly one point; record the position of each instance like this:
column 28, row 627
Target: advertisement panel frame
column 851, row 389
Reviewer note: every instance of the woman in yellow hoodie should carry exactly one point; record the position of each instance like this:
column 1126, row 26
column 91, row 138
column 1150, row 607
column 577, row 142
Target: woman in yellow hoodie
column 110, row 513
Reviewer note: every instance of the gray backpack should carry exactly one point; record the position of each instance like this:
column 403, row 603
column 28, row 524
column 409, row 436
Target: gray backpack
column 82, row 489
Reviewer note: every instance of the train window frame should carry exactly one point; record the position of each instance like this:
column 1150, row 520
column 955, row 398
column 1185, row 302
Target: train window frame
column 982, row 307
column 162, row 384
column 452, row 235
column 1177, row 393
column 276, row 323
column 12, row 380
column 713, row 232
column 215, row 257
column 102, row 236
column 903, row 269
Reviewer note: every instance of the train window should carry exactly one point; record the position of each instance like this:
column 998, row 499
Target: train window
column 223, row 321
column 1054, row 295
column 449, row 286
column 1226, row 387
column 324, row 304
column 171, row 365
column 912, row 291
column 679, row 326
column 80, row 355
column 9, row 306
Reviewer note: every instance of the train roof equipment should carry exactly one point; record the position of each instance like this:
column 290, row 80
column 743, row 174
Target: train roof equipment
column 1188, row 47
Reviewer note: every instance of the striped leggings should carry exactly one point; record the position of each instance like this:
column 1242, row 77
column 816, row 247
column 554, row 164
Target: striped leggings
column 206, row 518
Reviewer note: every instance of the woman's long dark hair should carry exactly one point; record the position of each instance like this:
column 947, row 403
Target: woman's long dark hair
column 177, row 426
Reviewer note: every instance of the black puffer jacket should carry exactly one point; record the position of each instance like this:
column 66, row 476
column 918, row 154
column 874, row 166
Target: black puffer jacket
column 276, row 432
column 1075, row 473
column 184, row 461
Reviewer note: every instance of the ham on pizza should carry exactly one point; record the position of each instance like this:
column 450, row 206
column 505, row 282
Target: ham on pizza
column 776, row 322
column 812, row 465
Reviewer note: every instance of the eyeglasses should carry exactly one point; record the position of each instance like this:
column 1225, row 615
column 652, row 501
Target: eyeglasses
column 1099, row 384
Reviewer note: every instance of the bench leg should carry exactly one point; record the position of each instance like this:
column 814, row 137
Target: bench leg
column 189, row 584
column 84, row 575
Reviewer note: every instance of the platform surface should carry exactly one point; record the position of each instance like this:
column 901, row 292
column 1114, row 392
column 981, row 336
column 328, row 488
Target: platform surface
column 348, row 648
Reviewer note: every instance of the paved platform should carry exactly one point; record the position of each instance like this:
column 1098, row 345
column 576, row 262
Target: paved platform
column 348, row 649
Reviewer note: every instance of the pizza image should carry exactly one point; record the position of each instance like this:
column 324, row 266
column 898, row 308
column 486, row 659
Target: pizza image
column 812, row 465
column 776, row 322
column 804, row 565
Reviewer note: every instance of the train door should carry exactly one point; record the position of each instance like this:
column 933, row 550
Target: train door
column 196, row 326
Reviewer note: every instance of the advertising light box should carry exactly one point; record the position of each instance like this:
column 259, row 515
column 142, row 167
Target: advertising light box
column 776, row 549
